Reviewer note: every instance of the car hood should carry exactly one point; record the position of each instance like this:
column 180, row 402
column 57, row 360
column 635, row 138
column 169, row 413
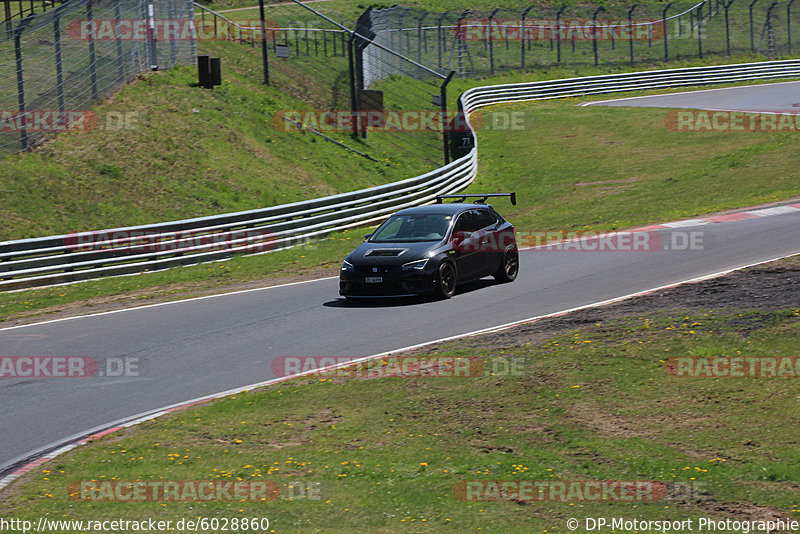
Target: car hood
column 392, row 253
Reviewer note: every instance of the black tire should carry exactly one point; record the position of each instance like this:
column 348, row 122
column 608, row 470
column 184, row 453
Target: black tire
column 510, row 267
column 445, row 280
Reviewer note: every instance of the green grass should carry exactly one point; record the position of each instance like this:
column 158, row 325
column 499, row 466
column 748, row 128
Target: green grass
column 588, row 404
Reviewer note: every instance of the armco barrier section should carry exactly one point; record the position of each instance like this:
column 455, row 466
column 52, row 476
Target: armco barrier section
column 68, row 258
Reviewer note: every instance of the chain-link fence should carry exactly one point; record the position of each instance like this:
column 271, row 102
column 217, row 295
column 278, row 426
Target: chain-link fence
column 479, row 43
column 55, row 65
column 349, row 89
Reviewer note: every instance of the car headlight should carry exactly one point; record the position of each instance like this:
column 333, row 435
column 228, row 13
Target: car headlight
column 347, row 267
column 415, row 265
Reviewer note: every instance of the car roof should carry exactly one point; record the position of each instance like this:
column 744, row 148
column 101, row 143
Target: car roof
column 452, row 208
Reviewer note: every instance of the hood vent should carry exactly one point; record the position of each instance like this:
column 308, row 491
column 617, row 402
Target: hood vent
column 384, row 252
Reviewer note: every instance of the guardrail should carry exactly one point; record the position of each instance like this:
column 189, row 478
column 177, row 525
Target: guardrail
column 88, row 255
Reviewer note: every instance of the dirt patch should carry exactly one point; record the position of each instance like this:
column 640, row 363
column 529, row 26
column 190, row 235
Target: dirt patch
column 607, row 182
column 772, row 286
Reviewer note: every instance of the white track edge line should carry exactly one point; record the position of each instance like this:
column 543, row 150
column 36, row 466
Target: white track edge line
column 215, row 295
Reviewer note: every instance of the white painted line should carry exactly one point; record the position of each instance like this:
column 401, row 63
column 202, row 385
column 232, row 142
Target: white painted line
column 167, row 303
column 778, row 210
column 687, row 222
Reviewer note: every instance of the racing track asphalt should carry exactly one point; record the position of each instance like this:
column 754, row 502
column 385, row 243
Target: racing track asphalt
column 775, row 97
column 198, row 347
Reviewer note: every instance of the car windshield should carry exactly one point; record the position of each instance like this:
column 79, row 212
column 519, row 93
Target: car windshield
column 410, row 228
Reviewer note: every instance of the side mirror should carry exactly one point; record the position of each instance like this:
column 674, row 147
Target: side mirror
column 367, row 236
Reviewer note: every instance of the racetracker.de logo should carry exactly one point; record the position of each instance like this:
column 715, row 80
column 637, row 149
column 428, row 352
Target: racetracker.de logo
column 566, row 29
column 390, row 121
column 44, row 120
column 144, row 241
column 406, row 366
column 172, row 490
column 67, row 367
column 733, row 367
column 559, row 491
column 732, row 121
column 168, row 30
column 625, row 241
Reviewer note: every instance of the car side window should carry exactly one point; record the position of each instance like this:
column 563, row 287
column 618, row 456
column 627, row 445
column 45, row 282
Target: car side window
column 467, row 222
column 485, row 218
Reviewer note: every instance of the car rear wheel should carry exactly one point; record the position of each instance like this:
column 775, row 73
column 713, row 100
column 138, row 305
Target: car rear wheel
column 510, row 267
column 446, row 280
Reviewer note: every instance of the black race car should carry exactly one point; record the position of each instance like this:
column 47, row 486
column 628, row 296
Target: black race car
column 431, row 249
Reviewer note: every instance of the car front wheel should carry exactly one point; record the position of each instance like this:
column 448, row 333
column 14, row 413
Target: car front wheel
column 446, row 280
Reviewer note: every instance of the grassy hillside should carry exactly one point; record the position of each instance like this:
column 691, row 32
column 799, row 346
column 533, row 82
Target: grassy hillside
column 183, row 152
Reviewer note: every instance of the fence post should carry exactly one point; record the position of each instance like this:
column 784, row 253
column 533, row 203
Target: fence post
column 264, row 58
column 789, row 26
column 151, row 35
column 666, row 32
column 120, row 51
column 175, row 34
column 419, row 36
column 558, row 33
column 752, row 35
column 700, row 29
column 630, row 30
column 92, row 55
column 59, row 65
column 726, row 6
column 491, row 41
column 440, row 36
column 522, row 35
column 21, row 79
column 353, row 91
column 444, row 122
column 594, row 32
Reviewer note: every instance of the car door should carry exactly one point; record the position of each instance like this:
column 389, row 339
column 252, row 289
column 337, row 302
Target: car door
column 466, row 243
column 489, row 242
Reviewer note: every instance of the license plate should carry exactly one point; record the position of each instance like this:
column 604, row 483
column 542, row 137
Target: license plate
column 374, row 279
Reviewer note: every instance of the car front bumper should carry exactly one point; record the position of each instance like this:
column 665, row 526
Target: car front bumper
column 401, row 284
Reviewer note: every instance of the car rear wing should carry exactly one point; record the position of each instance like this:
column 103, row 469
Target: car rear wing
column 481, row 196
